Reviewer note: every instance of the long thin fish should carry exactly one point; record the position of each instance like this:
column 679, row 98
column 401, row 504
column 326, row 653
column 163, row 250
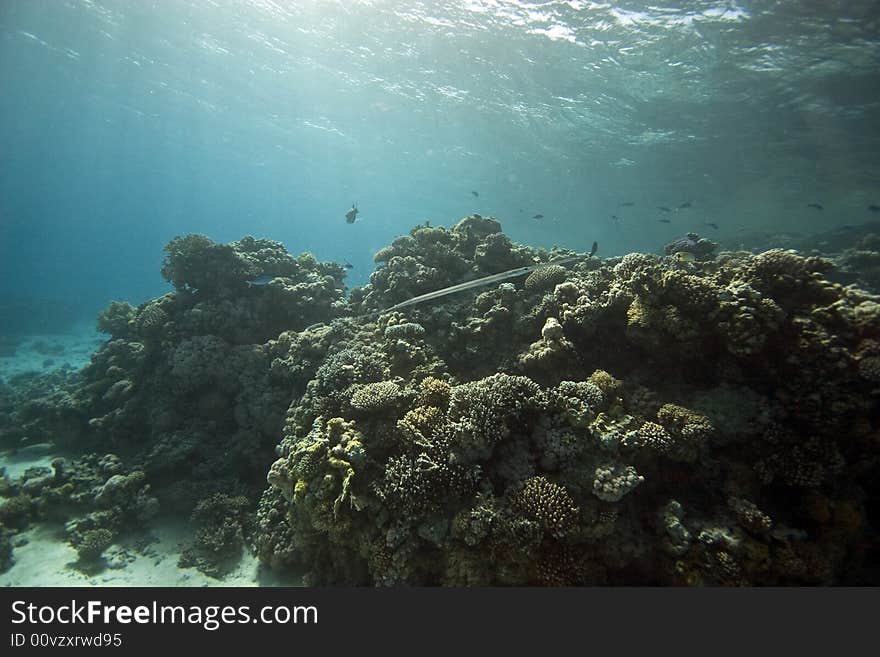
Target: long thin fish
column 486, row 280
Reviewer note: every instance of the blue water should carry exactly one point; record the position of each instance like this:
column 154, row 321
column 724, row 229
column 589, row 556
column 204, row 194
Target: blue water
column 123, row 124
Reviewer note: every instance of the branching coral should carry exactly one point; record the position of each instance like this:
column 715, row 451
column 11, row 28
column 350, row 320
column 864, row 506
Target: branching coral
column 547, row 504
column 484, row 413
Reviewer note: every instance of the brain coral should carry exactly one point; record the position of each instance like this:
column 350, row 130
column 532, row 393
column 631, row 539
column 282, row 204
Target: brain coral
column 546, row 278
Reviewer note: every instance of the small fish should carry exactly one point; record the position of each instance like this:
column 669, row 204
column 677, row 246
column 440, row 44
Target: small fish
column 475, row 193
column 265, row 279
column 817, row 206
column 351, row 215
column 538, row 216
column 712, row 224
column 664, row 208
column 874, row 208
column 684, row 205
column 594, row 248
column 615, row 218
column 665, row 221
column 684, row 256
column 35, row 449
column 348, row 265
column 627, row 204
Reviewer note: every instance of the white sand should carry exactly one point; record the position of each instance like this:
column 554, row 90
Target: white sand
column 16, row 464
column 44, row 558
column 47, row 560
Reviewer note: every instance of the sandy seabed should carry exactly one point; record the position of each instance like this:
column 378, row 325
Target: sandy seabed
column 42, row 554
column 46, row 559
column 44, row 353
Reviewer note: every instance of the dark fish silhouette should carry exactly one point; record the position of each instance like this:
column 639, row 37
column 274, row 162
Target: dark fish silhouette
column 665, row 221
column 615, row 218
column 874, row 208
column 815, row 205
column 348, row 265
column 664, row 208
column 474, row 193
column 712, row 224
column 594, row 249
column 627, row 204
column 538, row 216
column 351, row 215
column 684, row 205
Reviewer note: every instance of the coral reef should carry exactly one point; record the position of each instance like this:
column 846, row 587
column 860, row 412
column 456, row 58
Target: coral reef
column 676, row 469
column 223, row 525
column 704, row 420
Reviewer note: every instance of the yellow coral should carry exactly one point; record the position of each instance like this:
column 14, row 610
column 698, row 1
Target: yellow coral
column 435, row 392
column 300, row 490
column 422, row 424
column 609, row 386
